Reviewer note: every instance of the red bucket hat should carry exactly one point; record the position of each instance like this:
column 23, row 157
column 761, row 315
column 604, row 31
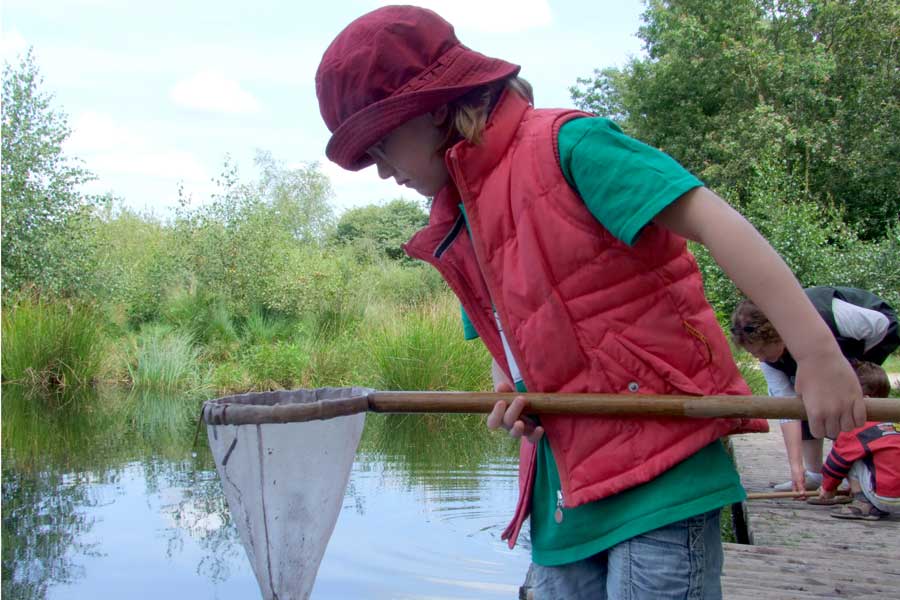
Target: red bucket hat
column 387, row 67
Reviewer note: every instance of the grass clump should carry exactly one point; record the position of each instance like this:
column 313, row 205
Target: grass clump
column 423, row 349
column 165, row 360
column 50, row 345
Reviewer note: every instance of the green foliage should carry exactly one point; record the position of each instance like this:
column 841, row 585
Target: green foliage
column 204, row 317
column 137, row 262
column 258, row 245
column 318, row 284
column 276, row 365
column 809, row 85
column 230, row 378
column 50, row 345
column 261, row 327
column 377, row 231
column 164, row 360
column 46, row 221
column 423, row 349
column 814, row 241
column 402, row 284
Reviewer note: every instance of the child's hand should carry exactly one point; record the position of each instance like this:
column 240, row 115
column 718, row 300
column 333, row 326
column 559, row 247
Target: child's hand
column 511, row 418
column 831, row 394
column 798, row 480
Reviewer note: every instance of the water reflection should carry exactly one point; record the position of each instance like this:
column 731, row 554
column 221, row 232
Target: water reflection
column 107, row 499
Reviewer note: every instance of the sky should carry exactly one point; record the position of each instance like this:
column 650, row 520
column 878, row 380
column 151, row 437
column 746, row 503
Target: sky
column 159, row 94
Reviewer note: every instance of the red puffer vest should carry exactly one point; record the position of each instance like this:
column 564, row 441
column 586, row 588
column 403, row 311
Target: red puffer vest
column 582, row 311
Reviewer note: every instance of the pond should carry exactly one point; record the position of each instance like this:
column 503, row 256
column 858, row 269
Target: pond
column 108, row 498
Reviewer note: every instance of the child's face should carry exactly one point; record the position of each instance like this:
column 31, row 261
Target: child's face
column 410, row 155
column 766, row 352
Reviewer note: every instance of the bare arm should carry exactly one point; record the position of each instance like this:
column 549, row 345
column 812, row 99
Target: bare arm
column 825, row 380
column 793, row 443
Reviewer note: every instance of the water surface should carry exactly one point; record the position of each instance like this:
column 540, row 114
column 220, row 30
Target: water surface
column 107, row 498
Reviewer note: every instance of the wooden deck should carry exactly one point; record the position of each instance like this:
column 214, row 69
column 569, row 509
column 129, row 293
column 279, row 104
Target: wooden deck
column 797, row 550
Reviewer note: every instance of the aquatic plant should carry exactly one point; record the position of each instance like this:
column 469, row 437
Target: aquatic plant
column 163, row 359
column 50, row 345
column 424, row 349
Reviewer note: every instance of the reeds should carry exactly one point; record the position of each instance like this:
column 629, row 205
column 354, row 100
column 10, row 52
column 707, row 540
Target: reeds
column 423, row 349
column 165, row 360
column 50, row 346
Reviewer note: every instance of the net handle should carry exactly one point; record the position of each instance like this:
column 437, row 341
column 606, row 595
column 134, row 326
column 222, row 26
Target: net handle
column 766, row 407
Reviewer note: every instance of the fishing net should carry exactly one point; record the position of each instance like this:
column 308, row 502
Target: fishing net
column 285, row 476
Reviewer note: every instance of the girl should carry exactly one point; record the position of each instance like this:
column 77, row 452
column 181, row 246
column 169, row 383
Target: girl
column 865, row 328
column 564, row 241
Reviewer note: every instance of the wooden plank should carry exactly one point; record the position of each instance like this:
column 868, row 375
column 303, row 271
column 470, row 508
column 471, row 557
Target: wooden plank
column 800, row 551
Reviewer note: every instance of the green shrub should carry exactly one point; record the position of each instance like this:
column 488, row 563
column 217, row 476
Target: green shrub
column 230, row 377
column 816, row 244
column 164, row 360
column 50, row 344
column 276, row 364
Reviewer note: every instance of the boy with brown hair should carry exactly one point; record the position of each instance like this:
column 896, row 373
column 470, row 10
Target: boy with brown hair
column 869, row 457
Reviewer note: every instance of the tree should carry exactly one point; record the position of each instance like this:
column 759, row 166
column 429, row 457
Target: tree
column 299, row 197
column 733, row 88
column 382, row 228
column 45, row 218
column 261, row 243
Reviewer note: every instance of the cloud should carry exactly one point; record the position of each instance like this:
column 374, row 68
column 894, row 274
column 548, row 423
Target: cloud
column 12, row 44
column 173, row 165
column 111, row 148
column 212, row 91
column 93, row 131
column 496, row 16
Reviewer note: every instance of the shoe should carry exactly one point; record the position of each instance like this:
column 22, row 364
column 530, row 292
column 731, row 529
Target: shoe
column 829, row 501
column 862, row 511
column 813, row 482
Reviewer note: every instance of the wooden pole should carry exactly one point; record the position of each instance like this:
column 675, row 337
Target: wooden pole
column 803, row 496
column 249, row 409
column 767, row 407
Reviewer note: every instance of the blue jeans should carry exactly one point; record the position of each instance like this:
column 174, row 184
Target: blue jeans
column 679, row 561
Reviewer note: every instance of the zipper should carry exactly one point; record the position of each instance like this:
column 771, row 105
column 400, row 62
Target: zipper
column 558, row 515
column 507, row 348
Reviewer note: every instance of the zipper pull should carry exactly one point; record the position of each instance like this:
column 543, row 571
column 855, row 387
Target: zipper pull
column 558, row 515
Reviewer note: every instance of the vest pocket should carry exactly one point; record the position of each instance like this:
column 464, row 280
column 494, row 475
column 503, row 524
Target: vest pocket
column 632, row 364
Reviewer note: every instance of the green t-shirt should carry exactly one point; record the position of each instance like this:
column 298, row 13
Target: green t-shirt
column 625, row 184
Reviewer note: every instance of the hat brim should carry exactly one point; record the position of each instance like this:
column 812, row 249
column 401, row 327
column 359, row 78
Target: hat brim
column 365, row 128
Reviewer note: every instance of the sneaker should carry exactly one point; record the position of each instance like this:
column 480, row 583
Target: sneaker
column 813, row 482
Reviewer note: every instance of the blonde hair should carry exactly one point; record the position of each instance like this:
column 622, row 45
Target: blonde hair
column 468, row 115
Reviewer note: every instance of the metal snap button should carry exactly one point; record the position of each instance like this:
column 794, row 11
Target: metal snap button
column 633, row 386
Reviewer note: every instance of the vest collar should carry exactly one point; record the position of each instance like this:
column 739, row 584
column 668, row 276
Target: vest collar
column 501, row 128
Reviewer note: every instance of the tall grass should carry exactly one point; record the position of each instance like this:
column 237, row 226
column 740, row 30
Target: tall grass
column 50, row 345
column 423, row 349
column 166, row 361
column 261, row 327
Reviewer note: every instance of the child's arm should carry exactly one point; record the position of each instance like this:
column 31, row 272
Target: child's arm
column 847, row 449
column 793, row 442
column 825, row 380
